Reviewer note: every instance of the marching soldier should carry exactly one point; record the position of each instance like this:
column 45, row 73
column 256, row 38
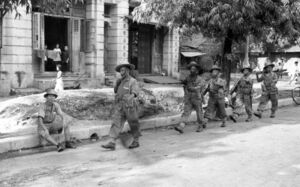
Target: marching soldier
column 269, row 90
column 216, row 101
column 194, row 86
column 125, row 108
column 243, row 90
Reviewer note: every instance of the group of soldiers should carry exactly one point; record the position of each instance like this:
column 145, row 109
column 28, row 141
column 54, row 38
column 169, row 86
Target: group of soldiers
column 195, row 87
column 127, row 100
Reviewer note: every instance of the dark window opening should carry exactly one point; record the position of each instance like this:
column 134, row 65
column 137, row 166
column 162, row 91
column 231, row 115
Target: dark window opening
column 56, row 32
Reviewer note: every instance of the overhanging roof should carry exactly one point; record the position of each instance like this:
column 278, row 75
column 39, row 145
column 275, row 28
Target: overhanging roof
column 192, row 54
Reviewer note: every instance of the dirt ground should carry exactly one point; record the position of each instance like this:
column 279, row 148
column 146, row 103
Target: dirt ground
column 264, row 153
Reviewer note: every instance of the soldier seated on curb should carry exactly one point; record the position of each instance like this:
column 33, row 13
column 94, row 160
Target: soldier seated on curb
column 51, row 121
column 243, row 90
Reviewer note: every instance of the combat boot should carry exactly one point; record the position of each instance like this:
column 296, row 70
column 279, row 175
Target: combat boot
column 272, row 115
column 257, row 114
column 110, row 145
column 70, row 145
column 199, row 128
column 223, row 124
column 60, row 148
column 249, row 119
column 135, row 144
column 179, row 128
column 204, row 123
column 233, row 118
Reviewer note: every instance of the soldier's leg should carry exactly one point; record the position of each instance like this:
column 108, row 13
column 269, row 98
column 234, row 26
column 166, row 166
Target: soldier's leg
column 187, row 110
column 262, row 104
column 46, row 136
column 222, row 110
column 133, row 121
column 248, row 107
column 197, row 105
column 274, row 101
column 238, row 108
column 118, row 121
column 211, row 109
column 132, row 117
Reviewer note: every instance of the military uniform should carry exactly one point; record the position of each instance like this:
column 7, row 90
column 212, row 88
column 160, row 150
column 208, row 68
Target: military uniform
column 244, row 89
column 269, row 92
column 193, row 98
column 126, row 107
column 51, row 122
column 216, row 89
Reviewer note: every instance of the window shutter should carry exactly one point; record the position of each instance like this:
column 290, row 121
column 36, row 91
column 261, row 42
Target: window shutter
column 36, row 31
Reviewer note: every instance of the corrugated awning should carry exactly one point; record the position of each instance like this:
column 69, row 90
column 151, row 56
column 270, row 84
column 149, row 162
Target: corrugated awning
column 192, row 54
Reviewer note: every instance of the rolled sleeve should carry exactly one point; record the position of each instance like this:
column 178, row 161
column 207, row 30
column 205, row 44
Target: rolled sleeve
column 41, row 112
column 135, row 87
column 58, row 109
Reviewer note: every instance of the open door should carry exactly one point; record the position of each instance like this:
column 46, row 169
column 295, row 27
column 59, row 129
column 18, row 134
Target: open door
column 145, row 50
column 39, row 39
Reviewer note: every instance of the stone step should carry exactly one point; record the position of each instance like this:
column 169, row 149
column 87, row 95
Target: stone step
column 27, row 91
column 46, row 83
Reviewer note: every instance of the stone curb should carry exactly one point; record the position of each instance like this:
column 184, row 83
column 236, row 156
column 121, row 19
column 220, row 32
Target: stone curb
column 85, row 132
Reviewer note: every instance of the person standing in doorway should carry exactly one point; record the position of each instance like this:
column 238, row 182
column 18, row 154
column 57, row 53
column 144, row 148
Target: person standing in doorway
column 57, row 58
column 125, row 107
column 59, row 86
column 66, row 59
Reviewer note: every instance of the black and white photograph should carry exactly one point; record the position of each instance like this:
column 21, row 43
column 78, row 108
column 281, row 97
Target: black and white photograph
column 150, row 93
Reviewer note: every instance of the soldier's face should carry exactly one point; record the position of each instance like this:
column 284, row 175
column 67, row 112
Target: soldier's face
column 124, row 71
column 215, row 73
column 269, row 68
column 246, row 72
column 194, row 70
column 50, row 98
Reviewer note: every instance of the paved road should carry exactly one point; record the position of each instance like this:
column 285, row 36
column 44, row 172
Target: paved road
column 263, row 153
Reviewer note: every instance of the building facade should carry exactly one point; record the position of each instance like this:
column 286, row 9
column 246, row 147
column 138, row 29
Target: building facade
column 99, row 34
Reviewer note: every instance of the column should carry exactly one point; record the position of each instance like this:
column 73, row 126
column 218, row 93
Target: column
column 95, row 35
column 118, row 36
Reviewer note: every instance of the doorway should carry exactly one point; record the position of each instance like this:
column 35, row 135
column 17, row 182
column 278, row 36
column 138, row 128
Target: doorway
column 140, row 47
column 56, row 32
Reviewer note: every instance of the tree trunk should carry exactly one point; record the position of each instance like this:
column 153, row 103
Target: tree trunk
column 226, row 62
column 1, row 21
column 246, row 59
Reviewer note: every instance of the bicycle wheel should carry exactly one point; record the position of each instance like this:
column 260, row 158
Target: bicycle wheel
column 296, row 95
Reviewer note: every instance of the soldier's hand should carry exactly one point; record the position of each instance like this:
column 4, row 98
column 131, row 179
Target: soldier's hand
column 233, row 95
column 118, row 81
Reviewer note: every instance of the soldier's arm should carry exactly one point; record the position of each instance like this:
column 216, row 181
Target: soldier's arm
column 134, row 88
column 234, row 89
column 118, row 82
column 259, row 79
column 41, row 115
column 275, row 79
column 59, row 112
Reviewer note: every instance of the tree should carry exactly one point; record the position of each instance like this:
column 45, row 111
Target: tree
column 227, row 20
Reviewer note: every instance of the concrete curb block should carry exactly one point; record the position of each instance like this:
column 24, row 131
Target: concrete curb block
column 85, row 132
